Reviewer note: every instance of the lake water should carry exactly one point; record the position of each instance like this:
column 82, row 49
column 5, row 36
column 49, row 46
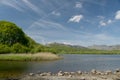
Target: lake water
column 71, row 62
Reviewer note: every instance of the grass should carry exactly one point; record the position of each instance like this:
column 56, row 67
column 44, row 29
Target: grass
column 29, row 57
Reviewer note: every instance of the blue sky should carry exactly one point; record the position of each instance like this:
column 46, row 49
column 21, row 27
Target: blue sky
column 76, row 22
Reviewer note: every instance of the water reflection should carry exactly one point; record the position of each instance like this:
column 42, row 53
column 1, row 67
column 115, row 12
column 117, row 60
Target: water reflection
column 12, row 69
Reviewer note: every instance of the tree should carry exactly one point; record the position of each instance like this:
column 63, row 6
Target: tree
column 10, row 34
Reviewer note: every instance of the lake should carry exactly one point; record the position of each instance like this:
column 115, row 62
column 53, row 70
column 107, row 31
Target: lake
column 71, row 62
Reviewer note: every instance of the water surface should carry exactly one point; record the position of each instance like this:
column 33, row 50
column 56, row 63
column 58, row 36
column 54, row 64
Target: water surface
column 71, row 62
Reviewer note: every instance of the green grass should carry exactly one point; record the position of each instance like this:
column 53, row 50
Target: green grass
column 29, row 57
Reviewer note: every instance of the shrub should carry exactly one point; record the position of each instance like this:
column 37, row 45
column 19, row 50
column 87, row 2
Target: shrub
column 4, row 49
column 18, row 48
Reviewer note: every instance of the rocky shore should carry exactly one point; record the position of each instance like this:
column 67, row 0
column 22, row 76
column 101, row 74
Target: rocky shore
column 78, row 75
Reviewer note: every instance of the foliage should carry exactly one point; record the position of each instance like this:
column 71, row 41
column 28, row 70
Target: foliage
column 14, row 40
column 4, row 49
column 11, row 34
column 18, row 48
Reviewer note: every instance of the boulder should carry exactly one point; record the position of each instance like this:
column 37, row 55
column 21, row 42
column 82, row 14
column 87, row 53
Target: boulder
column 93, row 71
column 31, row 74
column 60, row 73
column 108, row 72
column 79, row 72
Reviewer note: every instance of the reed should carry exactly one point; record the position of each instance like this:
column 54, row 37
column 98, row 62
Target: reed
column 29, row 57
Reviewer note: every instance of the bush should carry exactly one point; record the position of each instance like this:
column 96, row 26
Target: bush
column 4, row 49
column 18, row 48
column 11, row 34
column 37, row 48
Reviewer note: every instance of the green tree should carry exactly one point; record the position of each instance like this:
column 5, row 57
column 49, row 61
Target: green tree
column 4, row 49
column 18, row 48
column 11, row 34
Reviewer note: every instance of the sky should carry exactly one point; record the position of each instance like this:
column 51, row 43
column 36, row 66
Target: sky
column 75, row 22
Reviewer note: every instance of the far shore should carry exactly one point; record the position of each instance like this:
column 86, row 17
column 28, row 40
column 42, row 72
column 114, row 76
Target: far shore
column 43, row 56
column 78, row 75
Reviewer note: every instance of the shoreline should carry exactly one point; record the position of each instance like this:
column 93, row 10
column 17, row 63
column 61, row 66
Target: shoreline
column 78, row 75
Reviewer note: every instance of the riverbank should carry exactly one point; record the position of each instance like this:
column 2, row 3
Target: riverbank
column 92, row 75
column 29, row 57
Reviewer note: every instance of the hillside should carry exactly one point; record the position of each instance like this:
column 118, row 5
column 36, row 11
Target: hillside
column 76, row 49
column 68, row 49
column 14, row 40
column 105, row 47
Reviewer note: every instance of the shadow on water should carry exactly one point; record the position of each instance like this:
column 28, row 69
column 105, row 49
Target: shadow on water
column 12, row 69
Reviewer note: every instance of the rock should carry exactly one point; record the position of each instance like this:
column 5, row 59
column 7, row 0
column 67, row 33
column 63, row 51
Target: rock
column 117, row 70
column 99, row 73
column 93, row 71
column 60, row 73
column 108, row 72
column 48, row 74
column 83, row 78
column 41, row 74
column 79, row 72
column 85, row 72
column 117, row 79
column 31, row 74
column 45, row 74
column 72, row 73
column 69, row 76
column 94, row 78
column 66, row 73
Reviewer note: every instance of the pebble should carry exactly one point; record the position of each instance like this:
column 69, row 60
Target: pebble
column 93, row 71
column 79, row 72
column 107, row 75
column 108, row 72
column 117, row 70
column 31, row 74
column 83, row 78
column 60, row 73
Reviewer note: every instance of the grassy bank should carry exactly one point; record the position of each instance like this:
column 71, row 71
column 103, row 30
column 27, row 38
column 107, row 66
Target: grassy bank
column 29, row 57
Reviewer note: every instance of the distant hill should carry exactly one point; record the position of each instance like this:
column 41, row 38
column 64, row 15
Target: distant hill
column 66, row 48
column 105, row 47
column 76, row 49
column 65, row 45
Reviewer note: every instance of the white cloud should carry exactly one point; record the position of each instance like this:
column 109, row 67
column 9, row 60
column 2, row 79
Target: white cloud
column 56, row 13
column 78, row 5
column 109, row 21
column 104, row 23
column 117, row 16
column 76, row 18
